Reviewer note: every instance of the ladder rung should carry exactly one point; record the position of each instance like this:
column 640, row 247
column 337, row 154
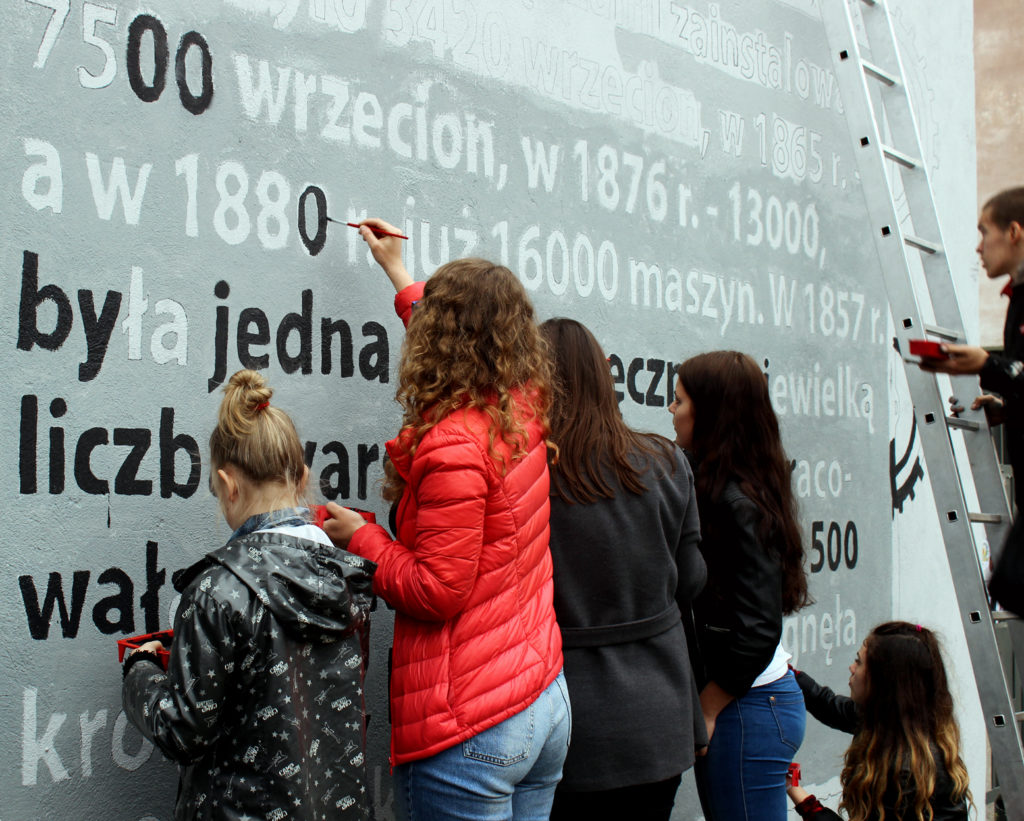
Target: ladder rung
column 879, row 73
column 922, row 244
column 943, row 333
column 898, row 156
column 963, row 424
column 1004, row 615
column 984, row 518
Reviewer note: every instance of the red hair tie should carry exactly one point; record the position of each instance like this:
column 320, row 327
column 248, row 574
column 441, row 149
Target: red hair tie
column 265, row 405
column 918, row 627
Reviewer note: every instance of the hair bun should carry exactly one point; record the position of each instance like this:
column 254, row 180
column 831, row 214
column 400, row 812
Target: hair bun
column 249, row 391
column 260, row 441
column 245, row 396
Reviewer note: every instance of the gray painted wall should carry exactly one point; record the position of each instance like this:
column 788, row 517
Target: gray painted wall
column 676, row 175
column 1000, row 118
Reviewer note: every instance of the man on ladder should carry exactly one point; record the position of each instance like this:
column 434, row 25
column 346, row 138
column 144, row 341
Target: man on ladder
column 1001, row 249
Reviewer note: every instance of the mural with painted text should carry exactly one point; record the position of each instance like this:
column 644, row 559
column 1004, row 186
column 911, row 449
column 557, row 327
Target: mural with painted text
column 176, row 177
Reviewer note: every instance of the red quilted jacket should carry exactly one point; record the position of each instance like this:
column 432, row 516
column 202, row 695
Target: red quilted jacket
column 470, row 580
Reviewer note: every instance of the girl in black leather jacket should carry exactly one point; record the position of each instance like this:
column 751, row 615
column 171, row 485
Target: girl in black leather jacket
column 751, row 541
column 905, row 735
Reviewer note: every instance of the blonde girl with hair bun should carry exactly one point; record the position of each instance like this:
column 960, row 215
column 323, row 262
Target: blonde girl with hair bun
column 262, row 700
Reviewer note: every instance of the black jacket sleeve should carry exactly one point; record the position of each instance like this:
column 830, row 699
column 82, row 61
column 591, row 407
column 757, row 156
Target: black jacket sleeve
column 1003, row 376
column 178, row 710
column 810, row 807
column 740, row 618
column 898, row 801
column 832, row 710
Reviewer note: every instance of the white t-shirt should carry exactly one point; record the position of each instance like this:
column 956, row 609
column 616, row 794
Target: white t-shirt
column 311, row 533
column 776, row 668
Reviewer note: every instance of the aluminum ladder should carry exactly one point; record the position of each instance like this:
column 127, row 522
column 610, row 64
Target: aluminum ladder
column 919, row 285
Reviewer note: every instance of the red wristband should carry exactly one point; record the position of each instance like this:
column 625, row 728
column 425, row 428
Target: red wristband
column 809, row 806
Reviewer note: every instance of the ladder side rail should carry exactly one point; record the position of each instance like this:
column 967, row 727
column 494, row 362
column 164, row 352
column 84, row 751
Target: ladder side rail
column 901, row 120
column 972, row 599
column 893, row 99
column 893, row 253
column 1016, row 627
column 958, row 537
column 984, row 469
column 904, row 135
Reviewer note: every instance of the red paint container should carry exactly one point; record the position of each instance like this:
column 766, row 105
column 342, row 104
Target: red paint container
column 165, row 637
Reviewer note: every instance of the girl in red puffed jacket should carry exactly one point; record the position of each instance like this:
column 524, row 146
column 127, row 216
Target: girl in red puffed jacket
column 480, row 713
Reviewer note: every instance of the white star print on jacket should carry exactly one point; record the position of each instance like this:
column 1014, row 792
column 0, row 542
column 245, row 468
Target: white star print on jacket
column 262, row 704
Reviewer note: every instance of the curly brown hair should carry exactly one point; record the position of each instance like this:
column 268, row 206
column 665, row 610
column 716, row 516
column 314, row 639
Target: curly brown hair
column 472, row 342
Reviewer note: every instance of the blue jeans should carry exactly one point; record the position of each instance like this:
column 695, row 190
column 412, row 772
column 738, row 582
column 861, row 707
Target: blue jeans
column 743, row 776
column 508, row 771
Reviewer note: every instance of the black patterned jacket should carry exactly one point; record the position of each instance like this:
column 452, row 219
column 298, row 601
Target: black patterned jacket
column 262, row 702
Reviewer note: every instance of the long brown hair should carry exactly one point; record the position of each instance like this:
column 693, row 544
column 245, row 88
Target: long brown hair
column 907, row 713
column 736, row 436
column 472, row 342
column 586, row 424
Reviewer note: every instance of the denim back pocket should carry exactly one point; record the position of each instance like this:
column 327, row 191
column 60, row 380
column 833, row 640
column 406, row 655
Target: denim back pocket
column 503, row 744
column 790, row 716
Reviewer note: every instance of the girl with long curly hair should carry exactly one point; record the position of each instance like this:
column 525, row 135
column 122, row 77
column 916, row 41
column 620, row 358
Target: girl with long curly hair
column 479, row 708
column 751, row 542
column 904, row 763
column 624, row 539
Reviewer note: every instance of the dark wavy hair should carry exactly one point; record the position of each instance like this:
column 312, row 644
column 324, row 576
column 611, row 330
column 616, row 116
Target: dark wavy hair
column 586, row 425
column 472, row 342
column 736, row 436
column 907, row 715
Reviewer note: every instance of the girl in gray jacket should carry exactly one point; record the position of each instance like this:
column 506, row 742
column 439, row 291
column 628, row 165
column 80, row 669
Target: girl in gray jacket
column 624, row 541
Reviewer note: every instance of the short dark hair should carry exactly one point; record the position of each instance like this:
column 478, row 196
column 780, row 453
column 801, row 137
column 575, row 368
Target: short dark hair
column 1006, row 207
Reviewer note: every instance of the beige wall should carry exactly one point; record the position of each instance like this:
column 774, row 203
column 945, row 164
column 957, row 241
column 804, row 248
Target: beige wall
column 999, row 74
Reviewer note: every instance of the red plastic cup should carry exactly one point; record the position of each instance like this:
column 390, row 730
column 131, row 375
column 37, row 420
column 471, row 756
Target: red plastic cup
column 320, row 514
column 927, row 349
